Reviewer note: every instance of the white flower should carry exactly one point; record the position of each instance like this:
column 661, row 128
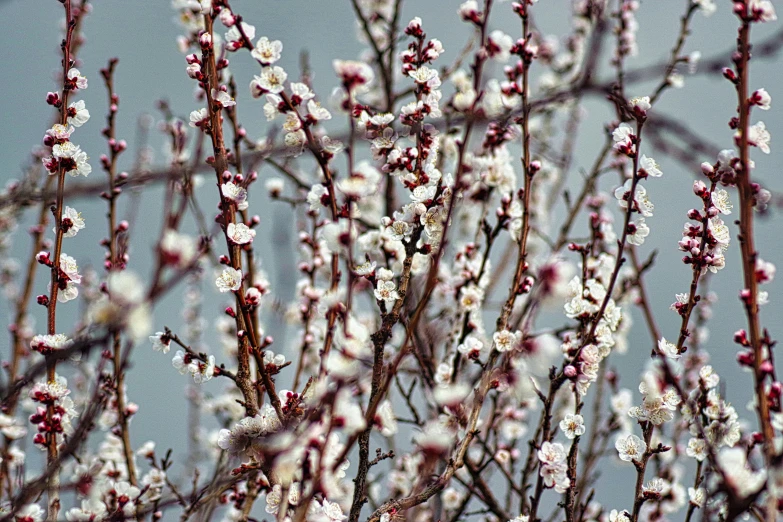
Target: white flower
column 178, row 249
column 423, row 75
column 77, row 79
column 240, row 233
column 697, row 497
column 641, row 103
column 619, row 516
column 332, row 511
column 471, row 297
column 60, row 132
column 202, row 371
column 93, row 509
column 551, row 453
column 697, row 449
column 317, row 112
column 78, row 115
column 669, row 349
column 31, row 512
column 267, row 52
column 160, row 342
column 707, row 7
column 499, row 44
column 471, row 348
column 762, row 10
column 230, row 280
column 234, row 37
column 222, row 98
column 48, row 343
column 386, row 418
column 178, row 362
column 505, row 340
column 451, row 498
column 235, row 193
column 630, row 448
column 637, row 232
column 73, row 221
column 11, row 427
column 739, row 476
column 572, row 425
column 762, row 99
column 709, row 377
column 68, row 290
column 650, row 167
column 353, row 73
column 720, row 198
column 199, row 118
column 72, row 158
column 622, row 138
column 386, row 291
column 759, row 136
column 272, row 79
column 643, row 204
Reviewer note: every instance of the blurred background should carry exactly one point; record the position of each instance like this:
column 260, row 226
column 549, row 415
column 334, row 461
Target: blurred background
column 143, row 36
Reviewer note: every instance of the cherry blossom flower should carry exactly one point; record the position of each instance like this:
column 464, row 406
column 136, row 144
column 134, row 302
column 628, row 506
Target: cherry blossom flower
column 234, row 38
column 765, row 271
column 177, row 249
column 739, row 476
column 619, row 516
column 45, row 344
column 572, row 425
column 386, row 291
column 72, row 158
column 624, row 137
column 637, row 232
column 267, row 51
column 762, row 10
column 160, row 342
column 642, row 203
column 505, row 340
column 707, row 7
column 720, row 199
column 69, row 278
column 230, row 280
column 11, row 428
column 78, row 114
column 697, row 449
column 650, row 167
column 640, row 105
column 222, row 98
column 76, row 80
column 30, row 512
column 235, row 193
column 353, row 74
column 199, row 118
column 60, row 132
column 553, row 466
column 668, row 349
column 499, row 45
column 761, row 99
column 72, row 222
column 240, row 233
column 630, row 448
column 758, row 136
column 471, row 348
column 202, row 371
column 316, row 112
column 272, row 80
